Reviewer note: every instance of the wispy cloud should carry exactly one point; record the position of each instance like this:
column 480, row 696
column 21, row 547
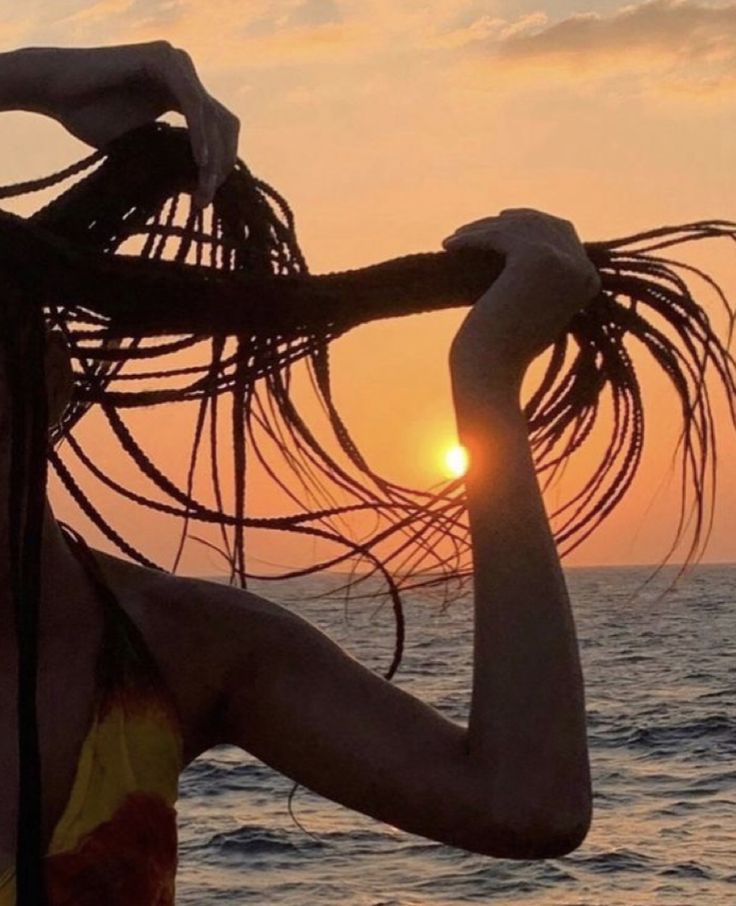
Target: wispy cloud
column 684, row 46
column 691, row 44
column 305, row 13
column 273, row 32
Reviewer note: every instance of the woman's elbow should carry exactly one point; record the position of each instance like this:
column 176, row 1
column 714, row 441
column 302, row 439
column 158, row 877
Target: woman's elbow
column 552, row 843
column 544, row 840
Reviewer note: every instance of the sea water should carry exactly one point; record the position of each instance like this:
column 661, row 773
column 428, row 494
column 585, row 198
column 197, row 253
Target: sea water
column 660, row 679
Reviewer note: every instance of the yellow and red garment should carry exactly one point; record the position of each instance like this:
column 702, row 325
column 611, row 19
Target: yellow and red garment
column 116, row 842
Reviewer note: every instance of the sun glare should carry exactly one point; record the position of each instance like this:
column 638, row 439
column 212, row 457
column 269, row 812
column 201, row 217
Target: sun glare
column 456, row 461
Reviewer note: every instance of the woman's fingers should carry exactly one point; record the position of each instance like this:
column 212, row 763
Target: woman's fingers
column 223, row 146
column 524, row 213
column 476, row 229
column 528, row 236
column 518, row 230
column 213, row 128
column 475, row 233
column 175, row 70
column 209, row 173
column 229, row 134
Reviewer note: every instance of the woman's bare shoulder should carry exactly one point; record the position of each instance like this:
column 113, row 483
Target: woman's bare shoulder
column 188, row 615
column 191, row 626
column 158, row 595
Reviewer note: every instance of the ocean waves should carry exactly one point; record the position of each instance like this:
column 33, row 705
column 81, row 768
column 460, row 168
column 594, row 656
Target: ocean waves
column 661, row 701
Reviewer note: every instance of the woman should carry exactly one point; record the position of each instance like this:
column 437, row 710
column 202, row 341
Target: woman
column 156, row 669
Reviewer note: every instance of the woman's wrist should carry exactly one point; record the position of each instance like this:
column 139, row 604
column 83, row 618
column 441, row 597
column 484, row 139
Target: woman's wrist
column 26, row 76
column 511, row 323
column 494, row 377
column 487, row 339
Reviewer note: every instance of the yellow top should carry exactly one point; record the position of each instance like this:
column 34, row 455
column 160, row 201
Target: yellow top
column 116, row 842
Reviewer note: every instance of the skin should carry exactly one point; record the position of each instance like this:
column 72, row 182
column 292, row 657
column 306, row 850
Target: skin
column 514, row 783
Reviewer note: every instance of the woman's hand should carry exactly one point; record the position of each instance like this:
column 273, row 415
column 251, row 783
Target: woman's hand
column 548, row 277
column 100, row 93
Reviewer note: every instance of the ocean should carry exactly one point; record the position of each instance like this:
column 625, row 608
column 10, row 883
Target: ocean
column 660, row 677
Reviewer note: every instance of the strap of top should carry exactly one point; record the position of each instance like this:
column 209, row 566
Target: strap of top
column 124, row 655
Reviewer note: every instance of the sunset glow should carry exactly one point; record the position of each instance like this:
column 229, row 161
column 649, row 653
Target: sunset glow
column 456, row 461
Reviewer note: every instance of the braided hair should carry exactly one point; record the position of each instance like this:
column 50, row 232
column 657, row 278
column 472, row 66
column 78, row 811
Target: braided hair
column 132, row 275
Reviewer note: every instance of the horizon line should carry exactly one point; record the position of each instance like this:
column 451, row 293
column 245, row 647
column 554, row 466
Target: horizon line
column 653, row 566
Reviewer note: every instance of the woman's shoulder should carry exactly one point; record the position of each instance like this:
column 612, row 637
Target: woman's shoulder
column 194, row 628
column 185, row 605
column 182, row 606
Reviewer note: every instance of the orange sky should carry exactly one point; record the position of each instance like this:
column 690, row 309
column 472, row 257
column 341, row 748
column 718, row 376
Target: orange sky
column 387, row 125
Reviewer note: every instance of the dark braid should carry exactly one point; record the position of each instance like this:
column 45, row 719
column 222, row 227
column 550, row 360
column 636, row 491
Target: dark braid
column 90, row 511
column 23, row 336
column 134, row 277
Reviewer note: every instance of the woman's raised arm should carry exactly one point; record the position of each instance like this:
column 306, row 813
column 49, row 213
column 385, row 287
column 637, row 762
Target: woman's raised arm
column 527, row 716
column 100, row 93
column 515, row 783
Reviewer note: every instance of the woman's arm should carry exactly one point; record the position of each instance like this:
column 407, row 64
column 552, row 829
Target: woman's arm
column 100, row 93
column 515, row 783
column 527, row 715
column 21, row 75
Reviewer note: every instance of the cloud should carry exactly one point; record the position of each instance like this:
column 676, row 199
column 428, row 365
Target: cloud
column 314, row 12
column 306, row 13
column 692, row 44
column 684, row 47
column 73, row 22
column 673, row 46
column 95, row 13
column 225, row 34
column 468, row 33
column 157, row 13
column 286, row 32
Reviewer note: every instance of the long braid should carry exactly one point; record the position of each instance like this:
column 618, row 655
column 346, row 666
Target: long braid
column 24, row 341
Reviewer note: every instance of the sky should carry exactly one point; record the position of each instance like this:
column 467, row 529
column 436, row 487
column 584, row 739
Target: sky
column 387, row 125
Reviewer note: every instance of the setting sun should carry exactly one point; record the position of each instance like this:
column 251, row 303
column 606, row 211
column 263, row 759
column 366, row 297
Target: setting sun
column 456, row 461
